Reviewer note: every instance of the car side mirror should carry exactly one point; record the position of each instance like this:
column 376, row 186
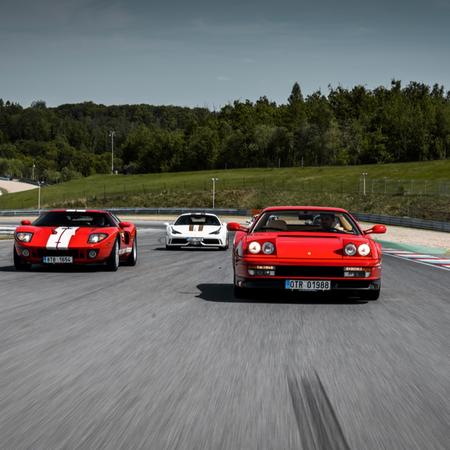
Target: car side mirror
column 124, row 224
column 234, row 226
column 376, row 229
column 25, row 222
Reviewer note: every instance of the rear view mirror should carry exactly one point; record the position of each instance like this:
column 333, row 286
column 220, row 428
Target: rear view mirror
column 234, row 226
column 376, row 229
column 124, row 224
column 25, row 222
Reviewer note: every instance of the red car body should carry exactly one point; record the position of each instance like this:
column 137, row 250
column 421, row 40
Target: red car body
column 303, row 256
column 64, row 236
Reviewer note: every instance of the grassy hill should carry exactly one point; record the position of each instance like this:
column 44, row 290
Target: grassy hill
column 420, row 189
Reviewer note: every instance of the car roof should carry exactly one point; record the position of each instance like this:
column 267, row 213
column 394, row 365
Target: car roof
column 197, row 214
column 303, row 208
column 79, row 210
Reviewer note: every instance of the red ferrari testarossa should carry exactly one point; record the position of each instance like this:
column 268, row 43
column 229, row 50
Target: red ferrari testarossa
column 307, row 248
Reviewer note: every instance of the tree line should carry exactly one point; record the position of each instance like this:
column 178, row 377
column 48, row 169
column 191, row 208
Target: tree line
column 346, row 126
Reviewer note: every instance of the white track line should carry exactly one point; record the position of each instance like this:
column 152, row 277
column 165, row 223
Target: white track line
column 427, row 260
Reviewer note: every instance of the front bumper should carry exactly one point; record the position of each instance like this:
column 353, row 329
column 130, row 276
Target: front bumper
column 366, row 279
column 336, row 285
column 194, row 242
column 80, row 255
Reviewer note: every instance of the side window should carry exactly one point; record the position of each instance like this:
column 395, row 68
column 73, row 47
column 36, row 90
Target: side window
column 114, row 219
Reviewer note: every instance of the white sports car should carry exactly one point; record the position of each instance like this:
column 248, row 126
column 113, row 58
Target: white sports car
column 197, row 230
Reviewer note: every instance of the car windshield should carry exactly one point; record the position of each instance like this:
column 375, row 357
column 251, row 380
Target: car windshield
column 197, row 220
column 306, row 221
column 74, row 219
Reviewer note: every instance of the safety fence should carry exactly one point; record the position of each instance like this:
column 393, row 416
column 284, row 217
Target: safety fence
column 408, row 222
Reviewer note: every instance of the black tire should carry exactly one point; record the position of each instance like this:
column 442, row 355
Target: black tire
column 371, row 295
column 168, row 247
column 132, row 257
column 113, row 261
column 239, row 292
column 225, row 247
column 18, row 263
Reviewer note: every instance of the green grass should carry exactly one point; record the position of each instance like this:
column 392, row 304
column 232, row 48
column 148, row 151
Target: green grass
column 419, row 189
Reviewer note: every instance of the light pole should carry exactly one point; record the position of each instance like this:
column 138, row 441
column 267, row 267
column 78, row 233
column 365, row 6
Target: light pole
column 39, row 196
column 214, row 190
column 111, row 135
column 364, row 174
column 32, row 172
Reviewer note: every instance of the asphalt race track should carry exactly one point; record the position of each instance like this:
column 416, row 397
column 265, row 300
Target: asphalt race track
column 160, row 356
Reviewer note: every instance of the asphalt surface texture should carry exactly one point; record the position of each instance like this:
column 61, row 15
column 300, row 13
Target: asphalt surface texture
column 161, row 356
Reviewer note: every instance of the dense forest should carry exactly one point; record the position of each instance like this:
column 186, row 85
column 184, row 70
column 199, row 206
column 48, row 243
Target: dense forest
column 356, row 126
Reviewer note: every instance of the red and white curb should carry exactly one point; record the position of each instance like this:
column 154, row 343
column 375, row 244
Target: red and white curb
column 443, row 263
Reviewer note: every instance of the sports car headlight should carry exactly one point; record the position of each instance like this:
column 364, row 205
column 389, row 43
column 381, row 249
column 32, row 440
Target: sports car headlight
column 97, row 237
column 173, row 231
column 363, row 249
column 350, row 249
column 268, row 248
column 24, row 237
column 216, row 232
column 254, row 247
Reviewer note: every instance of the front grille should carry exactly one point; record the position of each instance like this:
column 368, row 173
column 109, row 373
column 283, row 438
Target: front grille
column 211, row 241
column 179, row 241
column 309, row 271
column 53, row 252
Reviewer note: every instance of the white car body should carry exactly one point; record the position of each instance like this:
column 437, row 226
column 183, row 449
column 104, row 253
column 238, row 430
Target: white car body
column 197, row 230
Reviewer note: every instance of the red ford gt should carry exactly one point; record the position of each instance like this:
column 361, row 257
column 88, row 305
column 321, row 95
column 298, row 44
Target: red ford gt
column 307, row 248
column 75, row 237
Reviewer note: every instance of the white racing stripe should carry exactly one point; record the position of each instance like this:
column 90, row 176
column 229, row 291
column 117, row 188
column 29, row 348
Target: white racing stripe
column 61, row 237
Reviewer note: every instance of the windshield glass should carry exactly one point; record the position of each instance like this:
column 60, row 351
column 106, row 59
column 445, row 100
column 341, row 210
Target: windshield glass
column 74, row 219
column 197, row 220
column 306, row 221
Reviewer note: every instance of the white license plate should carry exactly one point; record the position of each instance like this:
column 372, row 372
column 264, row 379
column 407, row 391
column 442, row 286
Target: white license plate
column 57, row 259
column 308, row 285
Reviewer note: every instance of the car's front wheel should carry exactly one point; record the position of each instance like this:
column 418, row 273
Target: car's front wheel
column 114, row 259
column 132, row 257
column 238, row 291
column 226, row 246
column 18, row 263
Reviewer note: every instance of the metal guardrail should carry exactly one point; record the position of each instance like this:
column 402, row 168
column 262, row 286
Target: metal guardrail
column 219, row 211
column 408, row 222
column 7, row 231
column 137, row 211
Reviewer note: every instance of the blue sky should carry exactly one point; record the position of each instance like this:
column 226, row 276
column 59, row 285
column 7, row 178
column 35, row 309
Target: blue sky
column 209, row 53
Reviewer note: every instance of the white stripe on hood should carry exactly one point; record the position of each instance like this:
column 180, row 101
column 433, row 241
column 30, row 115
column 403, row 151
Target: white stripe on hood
column 61, row 237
